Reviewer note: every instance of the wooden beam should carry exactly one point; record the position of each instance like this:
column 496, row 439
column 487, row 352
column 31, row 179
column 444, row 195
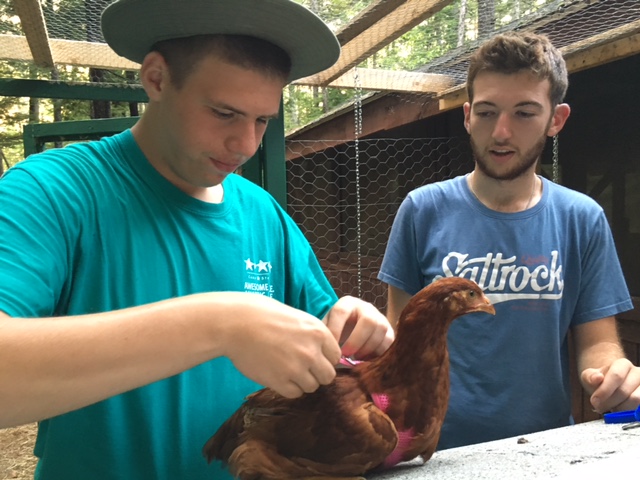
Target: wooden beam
column 606, row 47
column 376, row 16
column 37, row 134
column 393, row 81
column 454, row 98
column 13, row 87
column 67, row 52
column 79, row 129
column 35, row 29
column 591, row 52
column 366, row 18
column 15, row 47
column 382, row 113
column 89, row 54
column 396, row 23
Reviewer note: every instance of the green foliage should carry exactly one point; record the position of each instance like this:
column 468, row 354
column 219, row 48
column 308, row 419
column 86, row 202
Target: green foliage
column 429, row 40
column 336, row 13
column 62, row 18
column 14, row 113
column 303, row 104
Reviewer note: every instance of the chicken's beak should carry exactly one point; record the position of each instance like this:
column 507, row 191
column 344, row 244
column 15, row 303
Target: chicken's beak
column 485, row 306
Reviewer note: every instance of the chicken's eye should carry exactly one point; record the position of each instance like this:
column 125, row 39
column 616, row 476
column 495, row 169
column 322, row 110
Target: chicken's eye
column 472, row 293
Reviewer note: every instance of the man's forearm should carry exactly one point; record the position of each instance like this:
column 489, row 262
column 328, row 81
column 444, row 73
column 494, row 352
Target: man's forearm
column 76, row 361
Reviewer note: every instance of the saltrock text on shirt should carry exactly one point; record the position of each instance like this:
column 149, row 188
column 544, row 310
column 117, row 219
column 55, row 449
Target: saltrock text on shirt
column 509, row 278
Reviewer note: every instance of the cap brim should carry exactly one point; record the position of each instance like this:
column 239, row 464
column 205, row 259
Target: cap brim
column 131, row 27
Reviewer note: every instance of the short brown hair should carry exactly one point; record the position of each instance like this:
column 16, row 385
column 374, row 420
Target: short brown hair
column 513, row 52
column 183, row 54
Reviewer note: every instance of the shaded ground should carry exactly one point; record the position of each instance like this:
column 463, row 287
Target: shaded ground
column 16, row 453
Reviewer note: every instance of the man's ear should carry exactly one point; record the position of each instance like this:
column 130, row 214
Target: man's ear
column 154, row 75
column 466, row 108
column 559, row 118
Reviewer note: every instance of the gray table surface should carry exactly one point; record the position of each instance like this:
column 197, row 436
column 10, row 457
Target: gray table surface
column 583, row 451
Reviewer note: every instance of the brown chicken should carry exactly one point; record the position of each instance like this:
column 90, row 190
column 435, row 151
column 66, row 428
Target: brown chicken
column 372, row 416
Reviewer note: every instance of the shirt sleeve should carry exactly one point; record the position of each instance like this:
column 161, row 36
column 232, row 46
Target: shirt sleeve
column 33, row 251
column 317, row 296
column 400, row 266
column 307, row 288
column 603, row 292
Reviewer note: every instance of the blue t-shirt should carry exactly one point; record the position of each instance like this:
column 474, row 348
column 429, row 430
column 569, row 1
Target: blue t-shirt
column 546, row 269
column 94, row 227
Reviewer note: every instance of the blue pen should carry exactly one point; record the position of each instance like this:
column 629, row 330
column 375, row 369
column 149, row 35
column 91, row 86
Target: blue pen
column 623, row 417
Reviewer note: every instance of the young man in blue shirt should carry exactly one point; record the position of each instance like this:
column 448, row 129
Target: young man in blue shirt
column 543, row 254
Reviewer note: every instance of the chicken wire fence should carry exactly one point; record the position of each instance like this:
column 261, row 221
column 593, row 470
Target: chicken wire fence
column 389, row 39
column 72, row 28
column 428, row 52
column 445, row 29
column 393, row 42
column 344, row 197
column 347, row 226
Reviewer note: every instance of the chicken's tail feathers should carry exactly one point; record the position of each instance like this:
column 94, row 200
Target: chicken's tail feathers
column 222, row 444
column 258, row 460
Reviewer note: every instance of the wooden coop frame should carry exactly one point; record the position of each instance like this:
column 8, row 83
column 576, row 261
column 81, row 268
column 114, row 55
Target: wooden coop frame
column 375, row 27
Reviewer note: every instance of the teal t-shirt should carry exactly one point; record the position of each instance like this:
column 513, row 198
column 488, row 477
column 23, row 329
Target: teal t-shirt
column 94, row 227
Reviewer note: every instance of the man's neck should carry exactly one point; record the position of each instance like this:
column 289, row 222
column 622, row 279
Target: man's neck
column 507, row 196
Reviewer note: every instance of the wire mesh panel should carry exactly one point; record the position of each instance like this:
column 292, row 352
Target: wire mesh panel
column 439, row 45
column 565, row 22
column 394, row 43
column 59, row 32
column 413, row 50
column 392, row 40
column 74, row 19
column 440, row 40
column 323, row 199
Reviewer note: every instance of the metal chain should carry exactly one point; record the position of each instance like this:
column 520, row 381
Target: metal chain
column 357, row 113
column 556, row 163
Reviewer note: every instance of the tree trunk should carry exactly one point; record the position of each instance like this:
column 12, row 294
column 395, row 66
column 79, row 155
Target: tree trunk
column 34, row 103
column 325, row 100
column 293, row 105
column 462, row 15
column 57, row 104
column 99, row 108
column 486, row 18
column 34, row 110
column 134, row 111
column 3, row 162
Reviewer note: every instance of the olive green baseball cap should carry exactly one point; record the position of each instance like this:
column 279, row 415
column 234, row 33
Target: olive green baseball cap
column 131, row 27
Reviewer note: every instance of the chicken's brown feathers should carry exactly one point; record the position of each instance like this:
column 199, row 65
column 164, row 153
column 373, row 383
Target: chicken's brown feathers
column 338, row 431
column 303, row 431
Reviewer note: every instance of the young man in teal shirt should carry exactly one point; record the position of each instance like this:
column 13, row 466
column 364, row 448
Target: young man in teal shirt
column 145, row 289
